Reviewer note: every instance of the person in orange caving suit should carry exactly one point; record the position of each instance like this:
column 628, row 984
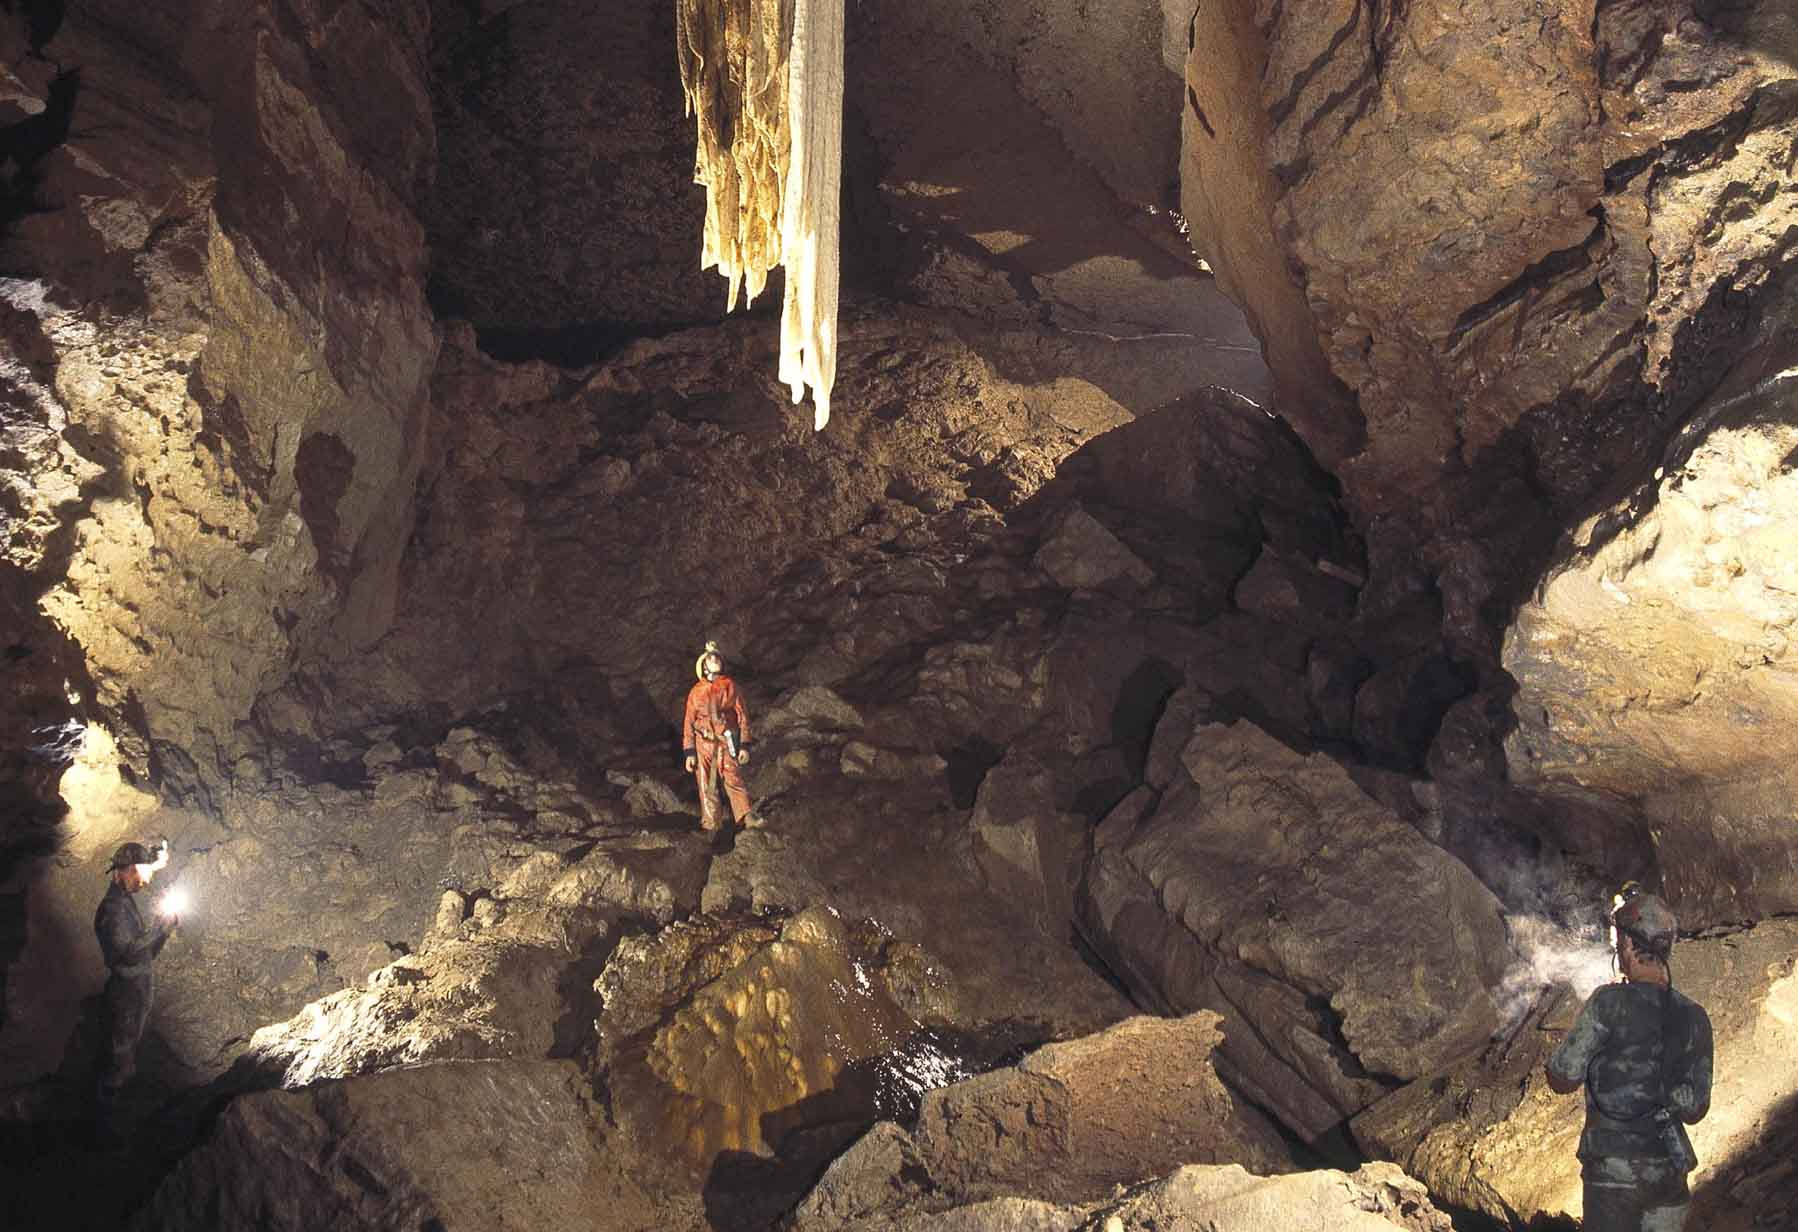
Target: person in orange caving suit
column 715, row 741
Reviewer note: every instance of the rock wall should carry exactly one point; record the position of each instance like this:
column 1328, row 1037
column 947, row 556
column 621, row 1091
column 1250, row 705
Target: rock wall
column 1100, row 75
column 564, row 201
column 238, row 407
column 1653, row 667
column 1497, row 214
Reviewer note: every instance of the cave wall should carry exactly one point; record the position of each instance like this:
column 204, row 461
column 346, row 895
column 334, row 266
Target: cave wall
column 1104, row 76
column 1490, row 209
column 217, row 284
column 564, row 202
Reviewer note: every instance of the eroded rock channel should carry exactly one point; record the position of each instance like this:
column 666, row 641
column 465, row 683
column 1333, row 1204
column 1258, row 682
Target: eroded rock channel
column 1306, row 513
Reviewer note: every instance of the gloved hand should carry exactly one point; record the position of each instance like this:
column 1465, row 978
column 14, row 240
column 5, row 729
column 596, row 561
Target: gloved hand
column 692, row 764
column 742, row 757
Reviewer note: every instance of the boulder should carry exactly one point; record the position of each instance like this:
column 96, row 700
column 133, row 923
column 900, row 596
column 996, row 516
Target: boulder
column 1028, row 850
column 1069, row 1123
column 416, row 1148
column 1654, row 665
column 1080, row 554
column 1346, row 952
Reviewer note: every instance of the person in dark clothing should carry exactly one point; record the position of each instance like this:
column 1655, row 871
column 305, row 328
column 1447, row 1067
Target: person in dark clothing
column 129, row 947
column 1643, row 1052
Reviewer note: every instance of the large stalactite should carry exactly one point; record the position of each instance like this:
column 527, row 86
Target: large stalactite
column 764, row 83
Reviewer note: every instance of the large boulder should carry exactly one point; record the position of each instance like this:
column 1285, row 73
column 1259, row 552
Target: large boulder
column 1346, row 952
column 1066, row 1124
column 416, row 1148
column 1653, row 663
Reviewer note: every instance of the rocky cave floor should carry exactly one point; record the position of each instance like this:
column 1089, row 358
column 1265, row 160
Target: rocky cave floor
column 438, row 941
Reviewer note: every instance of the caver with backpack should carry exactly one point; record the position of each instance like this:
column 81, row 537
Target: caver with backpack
column 1642, row 1050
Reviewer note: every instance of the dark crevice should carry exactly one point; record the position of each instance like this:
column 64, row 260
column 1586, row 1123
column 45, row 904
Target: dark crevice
column 1284, row 107
column 1540, row 274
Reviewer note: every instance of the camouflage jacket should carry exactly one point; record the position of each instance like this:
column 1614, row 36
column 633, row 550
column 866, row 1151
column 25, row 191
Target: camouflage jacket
column 127, row 944
column 1637, row 1048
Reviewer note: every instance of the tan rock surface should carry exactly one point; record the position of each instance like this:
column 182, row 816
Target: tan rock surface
column 1656, row 680
column 1490, row 210
column 1344, row 950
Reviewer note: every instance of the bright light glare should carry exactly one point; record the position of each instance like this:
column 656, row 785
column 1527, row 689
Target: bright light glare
column 174, row 902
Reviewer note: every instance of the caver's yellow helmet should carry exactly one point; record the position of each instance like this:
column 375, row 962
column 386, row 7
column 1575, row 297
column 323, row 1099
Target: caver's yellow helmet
column 711, row 648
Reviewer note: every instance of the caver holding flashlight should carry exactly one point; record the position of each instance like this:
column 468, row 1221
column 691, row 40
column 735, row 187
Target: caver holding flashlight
column 130, row 947
column 1642, row 1050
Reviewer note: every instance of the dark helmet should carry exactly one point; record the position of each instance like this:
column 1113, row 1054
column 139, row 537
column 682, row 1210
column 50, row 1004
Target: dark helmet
column 129, row 854
column 1648, row 919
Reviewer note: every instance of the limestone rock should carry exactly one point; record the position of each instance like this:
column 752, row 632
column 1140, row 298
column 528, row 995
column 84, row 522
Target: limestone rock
column 1407, row 223
column 1654, row 666
column 1028, row 849
column 242, row 415
column 496, row 983
column 1218, row 1197
column 1264, row 884
column 1067, row 1124
column 1082, row 554
column 863, row 759
column 416, row 1148
column 576, row 110
column 1373, row 1198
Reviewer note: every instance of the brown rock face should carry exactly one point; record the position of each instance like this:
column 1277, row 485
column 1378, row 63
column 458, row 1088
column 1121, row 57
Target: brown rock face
column 1069, row 1123
column 1489, row 209
column 416, row 1148
column 240, row 411
column 1264, row 884
column 564, row 196
column 1654, row 669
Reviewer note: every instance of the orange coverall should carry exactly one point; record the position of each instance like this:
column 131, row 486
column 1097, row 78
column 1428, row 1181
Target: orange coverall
column 713, row 708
